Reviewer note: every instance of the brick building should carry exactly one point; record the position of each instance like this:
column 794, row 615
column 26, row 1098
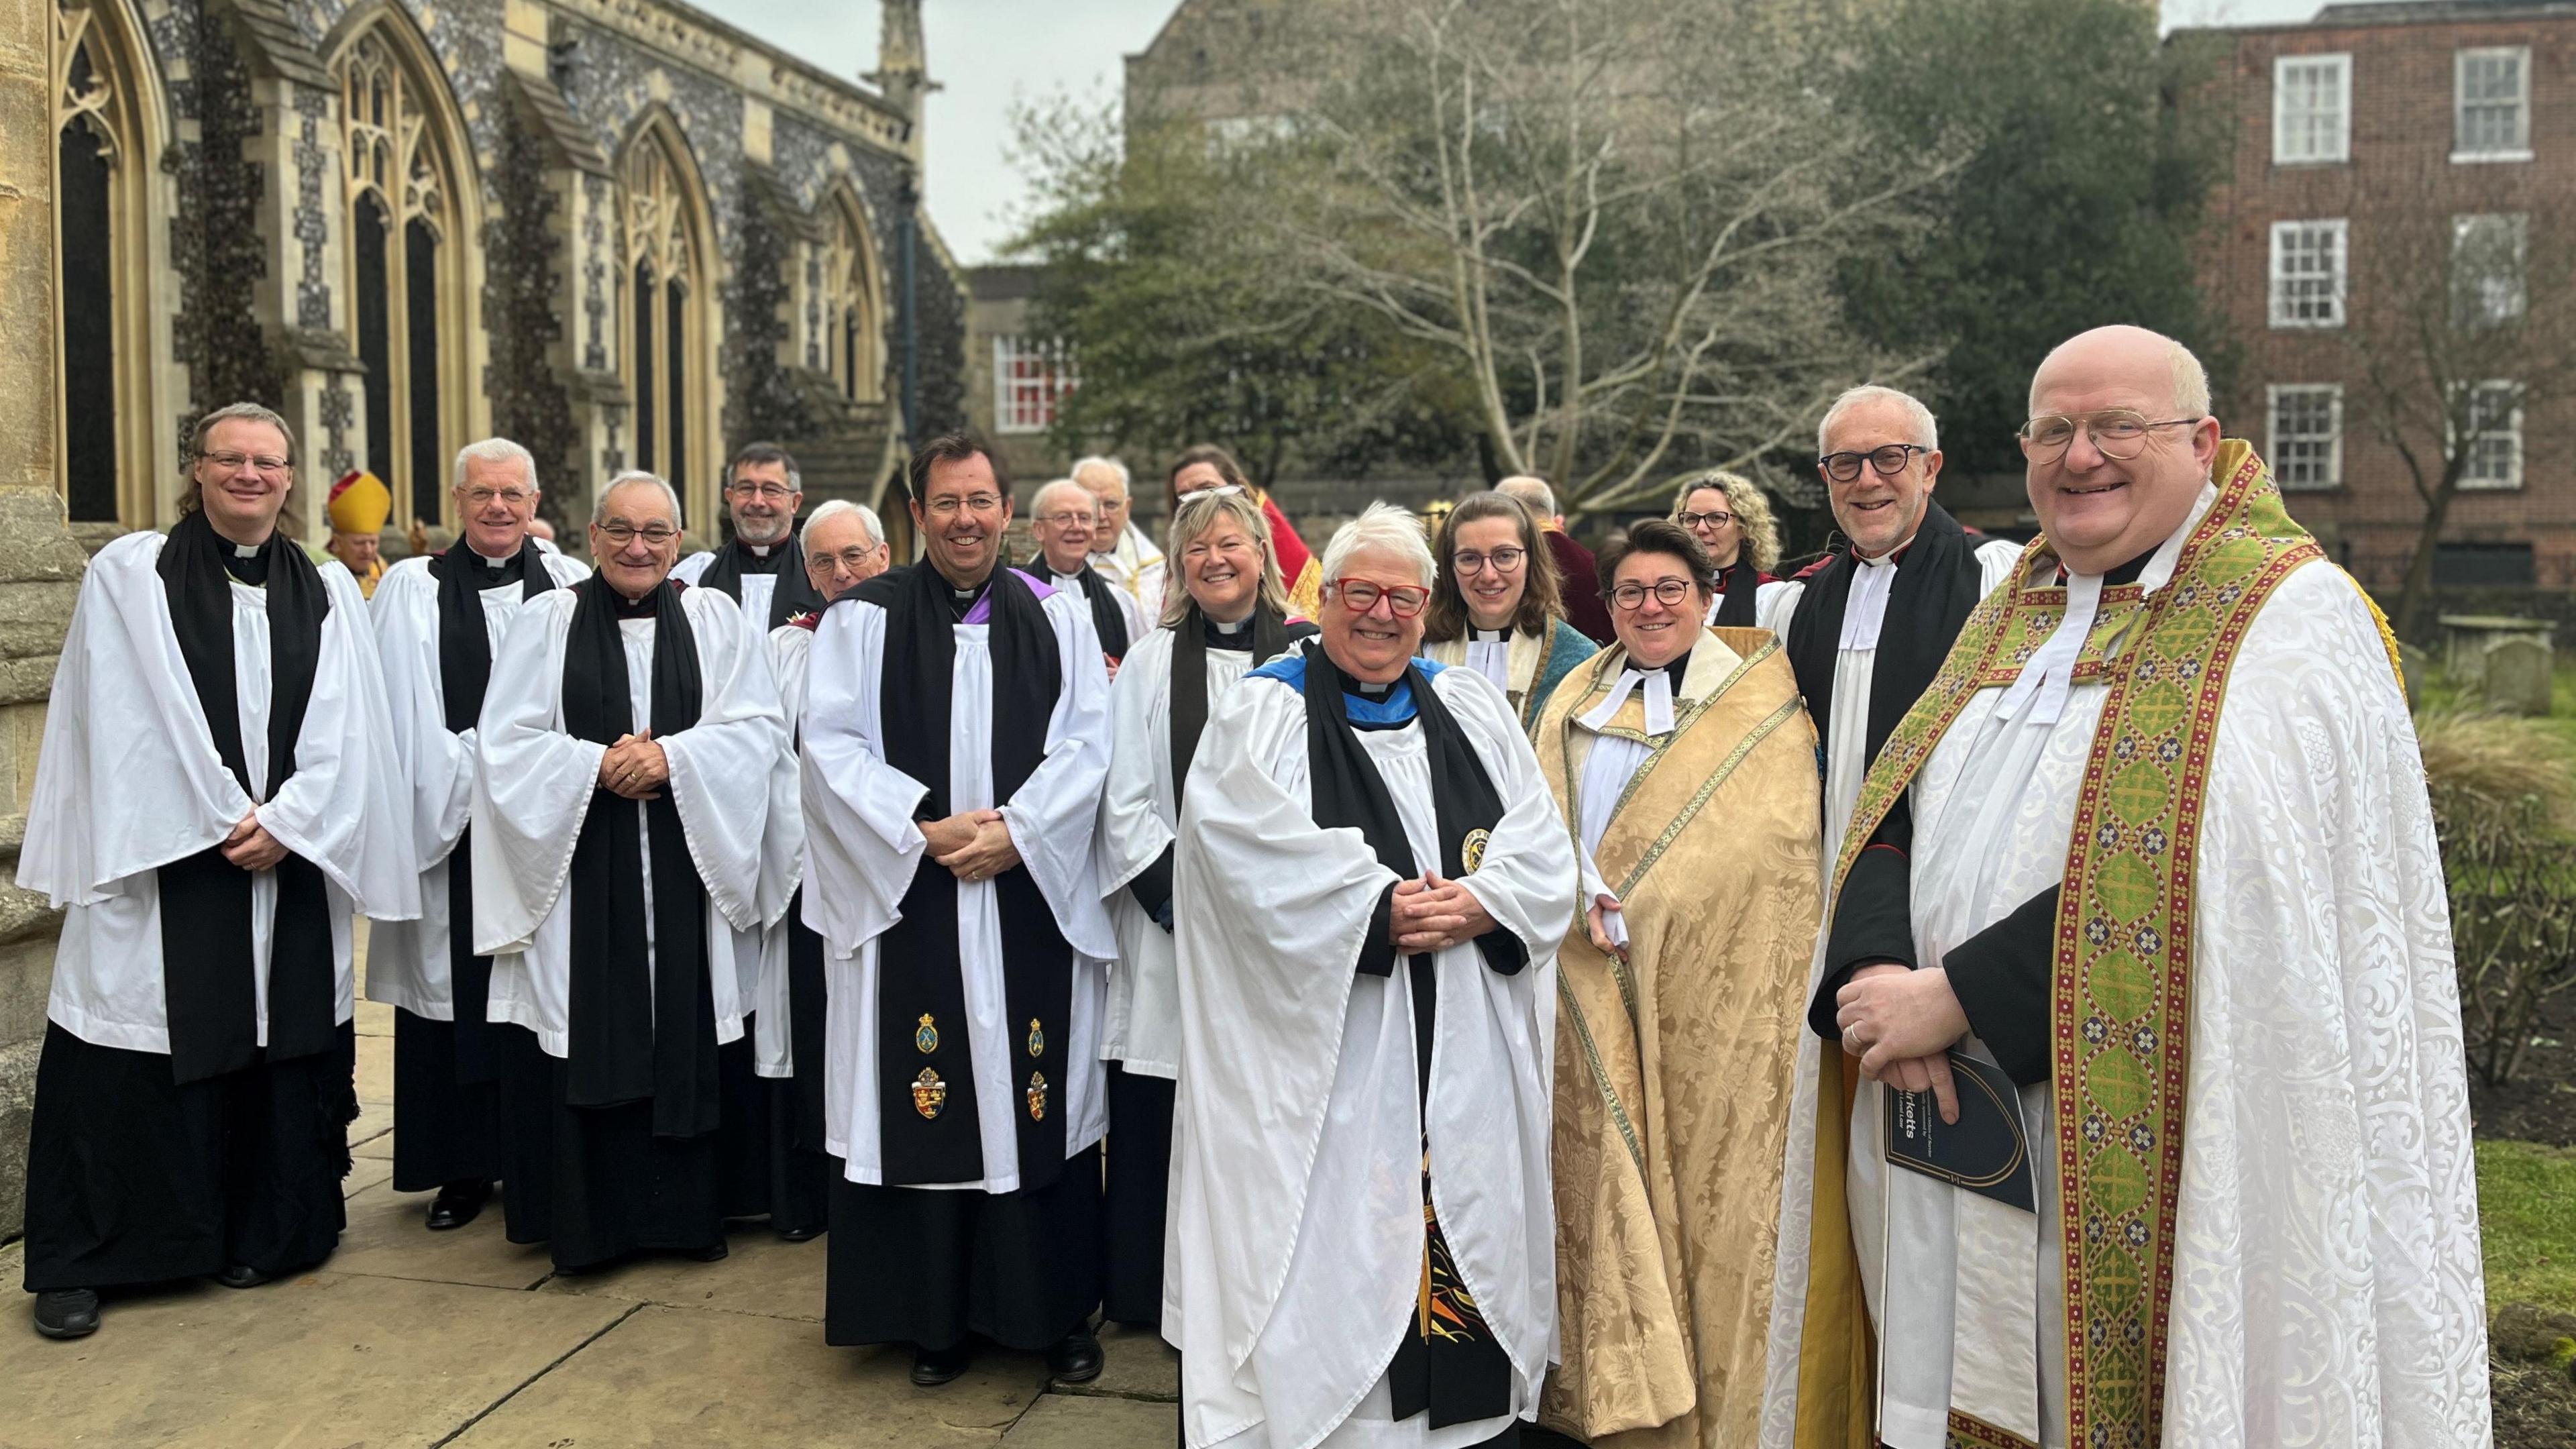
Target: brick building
column 2361, row 129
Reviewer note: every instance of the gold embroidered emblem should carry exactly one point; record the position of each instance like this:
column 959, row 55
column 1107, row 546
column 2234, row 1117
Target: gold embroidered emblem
column 1037, row 1096
column 929, row 1094
column 1037, row 1038
column 1471, row 851
column 927, row 1038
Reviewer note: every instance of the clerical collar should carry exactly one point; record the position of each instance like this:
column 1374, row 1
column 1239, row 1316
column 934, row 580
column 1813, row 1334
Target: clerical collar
column 647, row 607
column 1502, row 635
column 1655, row 685
column 1222, row 635
column 490, row 562
column 760, row 550
column 962, row 601
column 1674, row 669
column 248, row 563
column 1373, row 692
column 2127, row 573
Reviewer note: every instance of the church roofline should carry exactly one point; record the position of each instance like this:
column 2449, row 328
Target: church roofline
column 721, row 48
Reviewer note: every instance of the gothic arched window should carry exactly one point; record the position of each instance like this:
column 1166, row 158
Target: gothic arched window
column 406, row 184
column 850, row 322
column 107, row 464
column 668, row 280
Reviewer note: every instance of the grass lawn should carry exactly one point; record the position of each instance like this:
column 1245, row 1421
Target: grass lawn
column 2527, row 1208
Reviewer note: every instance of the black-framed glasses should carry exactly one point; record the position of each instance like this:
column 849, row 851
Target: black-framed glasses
column 1708, row 520
column 1887, row 461
column 621, row 534
column 1504, row 560
column 773, row 492
column 2119, row 434
column 1359, row 596
column 1668, row 592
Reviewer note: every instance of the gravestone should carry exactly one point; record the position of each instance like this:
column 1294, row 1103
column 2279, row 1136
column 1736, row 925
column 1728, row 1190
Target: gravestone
column 2516, row 676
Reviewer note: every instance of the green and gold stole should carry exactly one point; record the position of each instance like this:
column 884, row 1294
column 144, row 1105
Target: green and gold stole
column 2121, row 1000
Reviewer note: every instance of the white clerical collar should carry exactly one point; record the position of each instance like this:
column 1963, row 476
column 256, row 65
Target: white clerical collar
column 1658, row 684
column 489, row 562
column 1865, row 607
column 246, row 550
column 1489, row 636
column 1237, row 627
column 760, row 550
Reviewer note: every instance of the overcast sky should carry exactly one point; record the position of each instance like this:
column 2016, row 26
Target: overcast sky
column 989, row 53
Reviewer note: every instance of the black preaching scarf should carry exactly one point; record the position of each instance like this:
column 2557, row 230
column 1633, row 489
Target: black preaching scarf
column 1462, row 1375
column 928, row 1130
column 641, row 1029
column 795, row 593
column 208, row 980
column 1937, row 583
column 1741, row 583
column 1106, row 616
column 1270, row 637
column 464, row 672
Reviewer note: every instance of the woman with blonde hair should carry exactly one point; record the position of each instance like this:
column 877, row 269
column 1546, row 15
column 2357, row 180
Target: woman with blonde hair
column 1205, row 466
column 1228, row 615
column 1496, row 606
column 1731, row 519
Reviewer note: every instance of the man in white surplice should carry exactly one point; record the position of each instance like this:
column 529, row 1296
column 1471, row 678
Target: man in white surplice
column 439, row 620
column 629, row 744
column 954, row 747
column 1130, row 559
column 1371, row 885
column 2174, row 876
column 216, row 795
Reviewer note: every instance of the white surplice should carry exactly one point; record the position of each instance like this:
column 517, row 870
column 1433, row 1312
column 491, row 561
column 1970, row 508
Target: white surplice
column 757, row 589
column 2327, row 1286
column 1136, row 566
column 129, row 781
column 533, row 786
column 1295, row 1243
column 862, row 847
column 1771, row 604
column 1139, row 624
column 407, row 961
column 765, row 993
column 1143, row 1029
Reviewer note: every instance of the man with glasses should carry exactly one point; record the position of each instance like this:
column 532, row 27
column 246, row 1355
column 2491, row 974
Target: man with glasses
column 2174, row 917
column 216, row 796
column 439, row 621
column 1368, row 865
column 1125, row 553
column 1066, row 520
column 760, row 567
column 628, row 750
column 955, row 749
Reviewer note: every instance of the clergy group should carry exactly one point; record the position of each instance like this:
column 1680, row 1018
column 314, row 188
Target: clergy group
column 1456, row 988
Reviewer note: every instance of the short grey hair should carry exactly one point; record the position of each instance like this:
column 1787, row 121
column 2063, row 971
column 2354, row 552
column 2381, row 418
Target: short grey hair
column 497, row 450
column 599, row 505
column 836, row 508
column 1125, row 479
column 1927, row 429
column 1038, row 500
column 1533, row 493
column 1386, row 528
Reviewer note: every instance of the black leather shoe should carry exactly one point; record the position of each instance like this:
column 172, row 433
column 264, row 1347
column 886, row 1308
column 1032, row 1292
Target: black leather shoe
column 241, row 1276
column 1075, row 1359
column 712, row 1253
column 800, row 1235
column 67, row 1312
column 457, row 1204
column 933, row 1367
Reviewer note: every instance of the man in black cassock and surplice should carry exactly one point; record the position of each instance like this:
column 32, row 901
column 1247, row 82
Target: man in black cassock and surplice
column 955, row 746
column 217, row 794
column 625, row 759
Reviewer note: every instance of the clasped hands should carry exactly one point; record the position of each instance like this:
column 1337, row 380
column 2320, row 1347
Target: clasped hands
column 635, row 767
column 1432, row 914
column 973, row 844
column 1901, row 1023
column 250, row 846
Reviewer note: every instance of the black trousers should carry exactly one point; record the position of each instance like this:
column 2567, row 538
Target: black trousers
column 929, row 1267
column 594, row 1183
column 800, row 1178
column 132, row 1178
column 1138, row 1195
column 445, row 1130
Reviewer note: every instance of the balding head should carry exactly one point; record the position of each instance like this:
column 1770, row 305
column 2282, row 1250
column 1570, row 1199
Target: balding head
column 1534, row 495
column 2101, row 511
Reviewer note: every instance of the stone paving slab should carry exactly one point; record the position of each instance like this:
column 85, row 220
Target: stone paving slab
column 323, row 1359
column 759, row 1275
column 375, row 1119
column 374, row 1018
column 1138, row 1365
column 376, row 1070
column 386, row 1239
column 1061, row 1422
column 681, row 1377
column 364, row 1173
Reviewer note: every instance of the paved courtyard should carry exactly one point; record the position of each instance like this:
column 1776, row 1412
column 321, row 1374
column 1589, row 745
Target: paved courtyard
column 408, row 1337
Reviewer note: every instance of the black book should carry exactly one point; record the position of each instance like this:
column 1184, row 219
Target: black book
column 1986, row 1151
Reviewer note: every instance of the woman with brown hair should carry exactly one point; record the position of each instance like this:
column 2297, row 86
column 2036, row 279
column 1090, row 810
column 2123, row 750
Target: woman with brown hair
column 1496, row 607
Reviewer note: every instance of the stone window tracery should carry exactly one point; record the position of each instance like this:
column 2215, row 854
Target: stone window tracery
column 106, row 464
column 666, row 280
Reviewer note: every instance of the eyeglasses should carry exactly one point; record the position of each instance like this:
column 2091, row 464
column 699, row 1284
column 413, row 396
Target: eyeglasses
column 1359, row 596
column 2117, row 433
column 1713, row 520
column 1888, row 461
column 1067, row 520
column 1667, row 592
column 946, row 505
column 480, row 497
column 853, row 558
column 246, row 462
column 767, row 492
column 621, row 534
column 1504, row 560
